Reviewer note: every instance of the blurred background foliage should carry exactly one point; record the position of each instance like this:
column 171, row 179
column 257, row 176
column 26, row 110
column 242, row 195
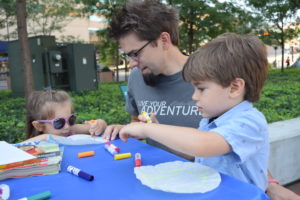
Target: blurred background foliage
column 279, row 101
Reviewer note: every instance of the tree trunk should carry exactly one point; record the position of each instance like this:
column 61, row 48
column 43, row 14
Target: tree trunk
column 117, row 62
column 282, row 56
column 24, row 48
column 282, row 45
column 190, row 38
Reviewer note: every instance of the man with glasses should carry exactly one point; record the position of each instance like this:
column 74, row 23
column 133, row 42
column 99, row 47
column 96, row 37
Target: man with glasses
column 147, row 32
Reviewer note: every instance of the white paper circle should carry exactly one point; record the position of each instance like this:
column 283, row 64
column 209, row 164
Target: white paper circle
column 179, row 177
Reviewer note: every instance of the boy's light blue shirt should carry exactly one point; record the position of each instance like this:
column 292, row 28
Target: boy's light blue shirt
column 246, row 131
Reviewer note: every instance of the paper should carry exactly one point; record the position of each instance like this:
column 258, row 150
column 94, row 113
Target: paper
column 80, row 139
column 11, row 154
column 179, row 177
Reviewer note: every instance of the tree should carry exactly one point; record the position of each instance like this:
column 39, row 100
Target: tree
column 7, row 16
column 46, row 16
column 203, row 20
column 43, row 16
column 281, row 21
column 109, row 50
column 24, row 47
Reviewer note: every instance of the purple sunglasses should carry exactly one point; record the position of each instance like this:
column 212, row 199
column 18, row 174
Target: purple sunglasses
column 59, row 123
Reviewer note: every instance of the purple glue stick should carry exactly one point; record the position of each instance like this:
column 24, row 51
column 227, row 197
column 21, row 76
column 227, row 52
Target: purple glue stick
column 80, row 173
column 110, row 149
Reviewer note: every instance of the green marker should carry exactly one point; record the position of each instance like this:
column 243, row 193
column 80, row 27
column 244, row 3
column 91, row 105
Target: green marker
column 40, row 196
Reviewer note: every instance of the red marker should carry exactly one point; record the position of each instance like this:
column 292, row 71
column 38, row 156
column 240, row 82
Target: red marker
column 113, row 146
column 138, row 160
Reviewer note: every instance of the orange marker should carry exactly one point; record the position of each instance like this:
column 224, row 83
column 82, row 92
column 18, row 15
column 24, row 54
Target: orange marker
column 86, row 154
column 92, row 122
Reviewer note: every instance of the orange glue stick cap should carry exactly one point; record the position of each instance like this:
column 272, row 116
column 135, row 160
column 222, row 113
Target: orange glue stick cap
column 86, row 154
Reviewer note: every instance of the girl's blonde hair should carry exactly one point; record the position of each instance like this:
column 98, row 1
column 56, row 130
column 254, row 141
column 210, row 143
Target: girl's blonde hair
column 40, row 107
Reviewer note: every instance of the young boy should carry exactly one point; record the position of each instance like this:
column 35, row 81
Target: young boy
column 228, row 74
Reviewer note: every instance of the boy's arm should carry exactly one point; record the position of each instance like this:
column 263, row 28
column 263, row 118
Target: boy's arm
column 186, row 140
column 112, row 131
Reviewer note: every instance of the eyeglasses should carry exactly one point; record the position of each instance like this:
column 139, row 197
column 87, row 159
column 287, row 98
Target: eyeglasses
column 135, row 55
column 59, row 123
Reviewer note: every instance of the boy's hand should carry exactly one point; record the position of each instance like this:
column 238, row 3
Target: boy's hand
column 142, row 118
column 112, row 131
column 134, row 130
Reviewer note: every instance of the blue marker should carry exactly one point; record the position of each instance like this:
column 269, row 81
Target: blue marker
column 40, row 196
column 80, row 173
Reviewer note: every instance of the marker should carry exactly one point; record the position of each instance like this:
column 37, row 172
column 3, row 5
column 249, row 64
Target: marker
column 110, row 149
column 146, row 115
column 80, row 173
column 4, row 191
column 40, row 196
column 138, row 160
column 113, row 146
column 122, row 156
column 92, row 123
column 86, row 154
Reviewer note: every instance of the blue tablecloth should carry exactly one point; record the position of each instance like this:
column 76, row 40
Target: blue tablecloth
column 115, row 179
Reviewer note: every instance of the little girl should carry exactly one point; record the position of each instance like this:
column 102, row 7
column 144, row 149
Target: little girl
column 50, row 113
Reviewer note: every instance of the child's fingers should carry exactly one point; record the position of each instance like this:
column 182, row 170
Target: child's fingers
column 111, row 132
column 114, row 134
column 97, row 126
column 153, row 118
column 123, row 135
column 142, row 118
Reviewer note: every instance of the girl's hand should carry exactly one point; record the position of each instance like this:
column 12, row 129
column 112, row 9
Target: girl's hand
column 97, row 126
column 142, row 118
column 134, row 130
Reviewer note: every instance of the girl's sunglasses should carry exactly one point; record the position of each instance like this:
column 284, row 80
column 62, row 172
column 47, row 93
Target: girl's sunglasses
column 59, row 123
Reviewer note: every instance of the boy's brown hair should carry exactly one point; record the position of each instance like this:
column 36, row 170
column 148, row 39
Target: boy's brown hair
column 228, row 57
column 40, row 107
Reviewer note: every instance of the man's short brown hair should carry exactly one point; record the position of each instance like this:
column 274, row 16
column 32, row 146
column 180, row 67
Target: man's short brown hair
column 147, row 19
column 228, row 57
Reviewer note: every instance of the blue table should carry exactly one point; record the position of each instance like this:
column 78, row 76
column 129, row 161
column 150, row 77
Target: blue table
column 115, row 179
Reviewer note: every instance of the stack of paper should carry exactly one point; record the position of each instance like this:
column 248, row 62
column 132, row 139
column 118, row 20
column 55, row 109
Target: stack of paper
column 29, row 159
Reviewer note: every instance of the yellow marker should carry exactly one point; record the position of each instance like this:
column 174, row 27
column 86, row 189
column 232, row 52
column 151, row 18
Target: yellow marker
column 122, row 156
column 146, row 115
column 86, row 154
column 92, row 122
